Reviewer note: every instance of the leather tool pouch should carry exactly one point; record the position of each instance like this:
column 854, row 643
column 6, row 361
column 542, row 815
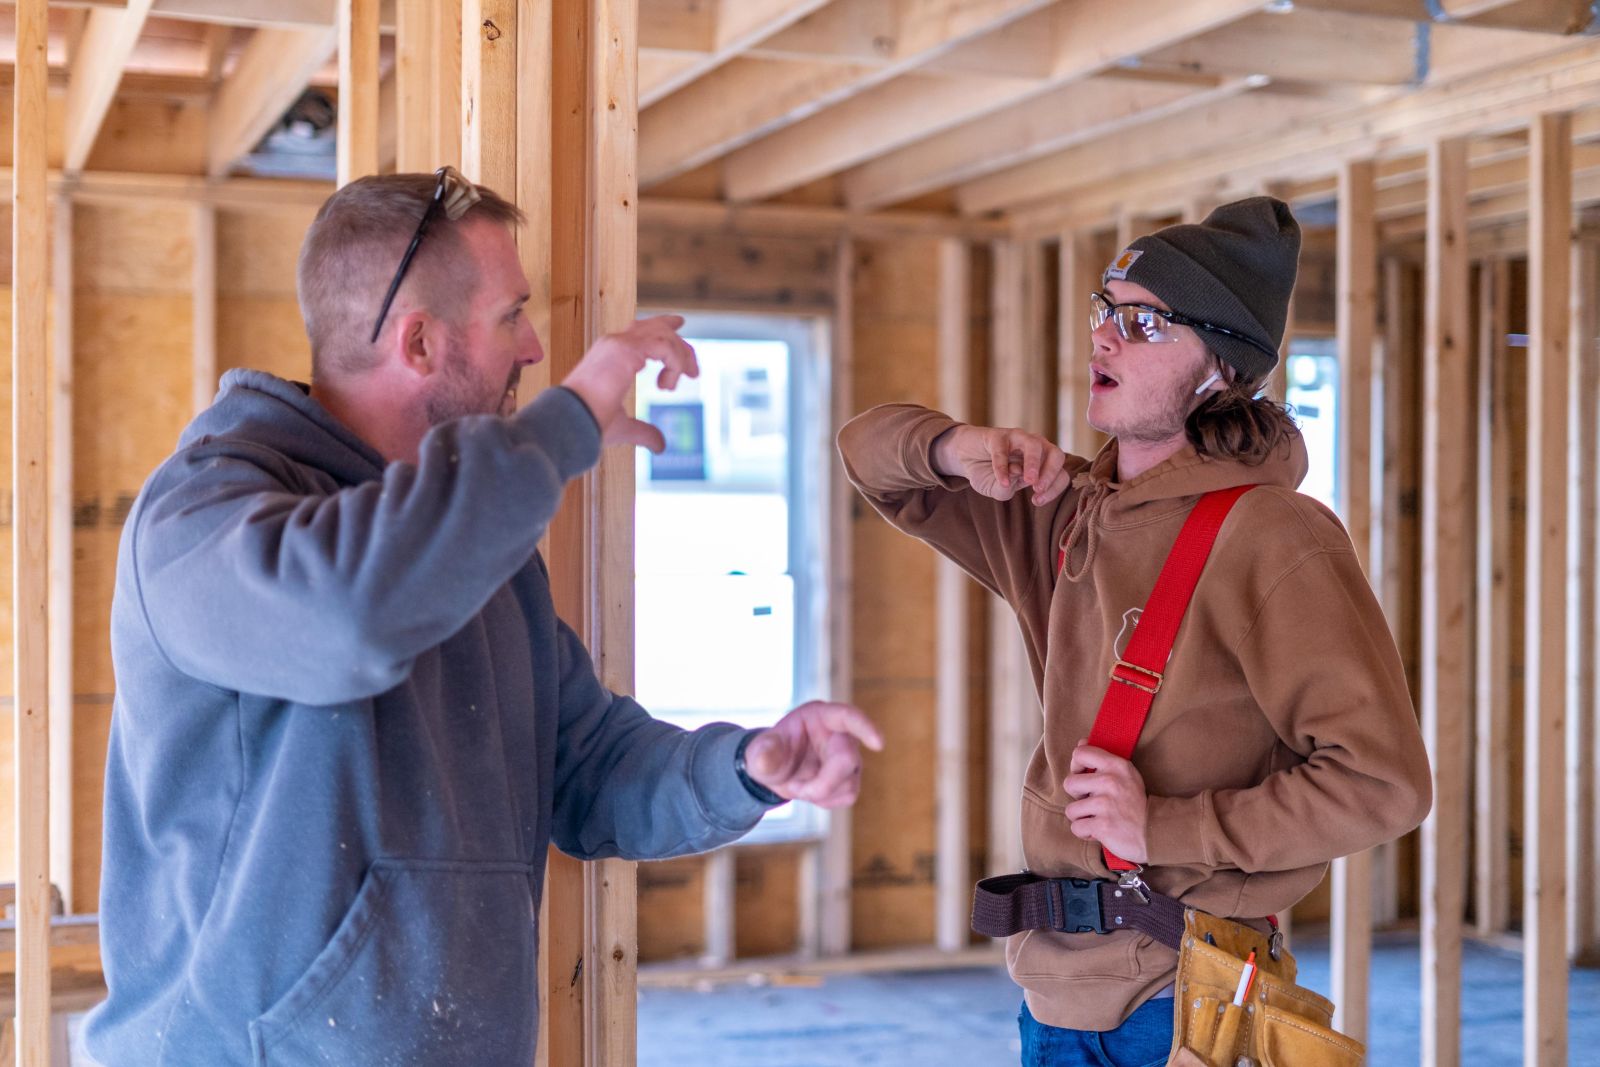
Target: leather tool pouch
column 1279, row 1025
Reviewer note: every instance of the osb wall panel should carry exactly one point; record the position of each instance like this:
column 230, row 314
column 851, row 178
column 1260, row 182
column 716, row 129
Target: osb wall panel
column 893, row 667
column 715, row 269
column 142, row 134
column 258, row 315
column 766, row 918
column 671, row 909
column 263, row 333
column 133, row 316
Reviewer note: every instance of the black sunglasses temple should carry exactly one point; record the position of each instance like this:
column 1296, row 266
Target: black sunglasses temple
column 405, row 264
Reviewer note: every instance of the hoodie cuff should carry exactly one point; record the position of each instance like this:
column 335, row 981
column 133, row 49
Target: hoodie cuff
column 561, row 426
column 723, row 796
column 917, row 456
column 1174, row 830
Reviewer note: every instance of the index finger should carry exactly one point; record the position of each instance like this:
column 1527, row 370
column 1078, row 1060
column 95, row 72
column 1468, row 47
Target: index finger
column 1088, row 757
column 850, row 719
column 671, row 322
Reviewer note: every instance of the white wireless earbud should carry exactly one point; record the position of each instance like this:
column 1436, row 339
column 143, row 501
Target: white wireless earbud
column 1207, row 383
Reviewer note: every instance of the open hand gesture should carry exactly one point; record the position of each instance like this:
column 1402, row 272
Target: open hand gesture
column 604, row 376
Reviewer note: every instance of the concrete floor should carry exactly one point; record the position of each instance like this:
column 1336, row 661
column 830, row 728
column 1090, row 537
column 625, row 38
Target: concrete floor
column 968, row 1017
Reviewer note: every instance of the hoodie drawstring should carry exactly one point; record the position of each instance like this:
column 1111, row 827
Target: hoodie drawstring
column 1084, row 525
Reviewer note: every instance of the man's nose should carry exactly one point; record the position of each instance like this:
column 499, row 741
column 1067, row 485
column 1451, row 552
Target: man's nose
column 530, row 351
column 1105, row 337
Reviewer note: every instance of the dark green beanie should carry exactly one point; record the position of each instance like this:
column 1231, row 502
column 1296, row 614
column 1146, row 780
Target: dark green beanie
column 1236, row 270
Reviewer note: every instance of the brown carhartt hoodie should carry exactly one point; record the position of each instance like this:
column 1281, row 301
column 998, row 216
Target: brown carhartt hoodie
column 1283, row 735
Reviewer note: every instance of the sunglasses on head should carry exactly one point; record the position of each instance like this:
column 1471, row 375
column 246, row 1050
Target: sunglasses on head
column 452, row 195
column 1143, row 324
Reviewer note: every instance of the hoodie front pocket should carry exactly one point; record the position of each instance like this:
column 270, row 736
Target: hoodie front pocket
column 434, row 963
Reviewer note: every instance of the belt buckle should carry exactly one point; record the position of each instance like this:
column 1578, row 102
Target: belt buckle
column 1143, row 687
column 1075, row 906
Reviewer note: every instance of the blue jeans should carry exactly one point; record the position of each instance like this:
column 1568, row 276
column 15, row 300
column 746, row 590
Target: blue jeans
column 1143, row 1041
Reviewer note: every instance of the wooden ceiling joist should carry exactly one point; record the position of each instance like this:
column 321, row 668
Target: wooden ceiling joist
column 1541, row 16
column 1074, row 114
column 755, row 98
column 739, row 25
column 98, row 60
column 1490, row 103
column 1324, row 46
column 272, row 72
column 846, row 135
column 1149, row 148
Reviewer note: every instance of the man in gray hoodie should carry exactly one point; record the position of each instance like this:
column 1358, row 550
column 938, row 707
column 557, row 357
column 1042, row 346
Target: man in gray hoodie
column 348, row 721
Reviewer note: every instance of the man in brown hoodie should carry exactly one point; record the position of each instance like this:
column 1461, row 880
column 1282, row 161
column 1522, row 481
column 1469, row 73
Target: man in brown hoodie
column 1283, row 735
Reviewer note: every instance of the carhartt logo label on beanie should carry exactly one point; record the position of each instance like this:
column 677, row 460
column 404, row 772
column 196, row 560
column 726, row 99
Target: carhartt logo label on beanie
column 1235, row 270
column 1119, row 269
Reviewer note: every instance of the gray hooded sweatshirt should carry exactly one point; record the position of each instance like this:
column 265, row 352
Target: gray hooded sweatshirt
column 347, row 725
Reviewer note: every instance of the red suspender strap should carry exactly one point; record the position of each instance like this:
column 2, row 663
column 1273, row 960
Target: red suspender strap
column 1136, row 678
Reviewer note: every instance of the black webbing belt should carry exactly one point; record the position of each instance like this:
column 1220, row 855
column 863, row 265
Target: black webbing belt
column 1011, row 903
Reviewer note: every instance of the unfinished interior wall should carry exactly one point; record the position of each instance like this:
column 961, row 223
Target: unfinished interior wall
column 132, row 318
column 895, row 324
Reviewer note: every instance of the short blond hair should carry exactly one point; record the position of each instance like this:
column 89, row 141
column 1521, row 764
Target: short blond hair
column 353, row 248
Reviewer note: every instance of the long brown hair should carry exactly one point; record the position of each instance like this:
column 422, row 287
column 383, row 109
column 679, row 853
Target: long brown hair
column 1237, row 422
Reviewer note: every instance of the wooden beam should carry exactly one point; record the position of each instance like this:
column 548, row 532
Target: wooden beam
column 1302, row 45
column 358, row 89
column 591, row 919
column 1489, row 102
column 1446, row 491
column 535, row 45
column 739, row 26
column 97, row 65
column 1356, row 325
column 745, row 99
column 953, row 877
column 1584, row 564
column 1544, row 838
column 415, row 59
column 1484, row 12
column 1074, row 114
column 1492, row 682
column 801, row 219
column 204, row 290
column 729, row 108
column 836, row 863
column 300, row 13
column 30, row 389
column 1078, row 274
column 1015, row 400
column 447, row 72
column 1395, row 563
column 883, row 118
column 271, row 74
column 895, row 114
column 489, row 92
column 1166, row 142
column 62, row 821
column 612, row 245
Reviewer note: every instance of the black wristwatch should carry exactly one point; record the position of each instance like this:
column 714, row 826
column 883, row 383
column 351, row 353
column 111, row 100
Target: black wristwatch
column 753, row 787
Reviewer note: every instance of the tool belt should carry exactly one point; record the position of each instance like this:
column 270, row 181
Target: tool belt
column 1276, row 1022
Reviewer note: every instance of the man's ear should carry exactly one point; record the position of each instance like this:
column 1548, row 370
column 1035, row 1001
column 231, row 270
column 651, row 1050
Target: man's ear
column 414, row 344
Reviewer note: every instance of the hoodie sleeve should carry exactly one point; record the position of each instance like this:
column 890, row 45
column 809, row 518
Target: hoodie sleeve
column 252, row 584
column 632, row 786
column 1330, row 682
column 1005, row 545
